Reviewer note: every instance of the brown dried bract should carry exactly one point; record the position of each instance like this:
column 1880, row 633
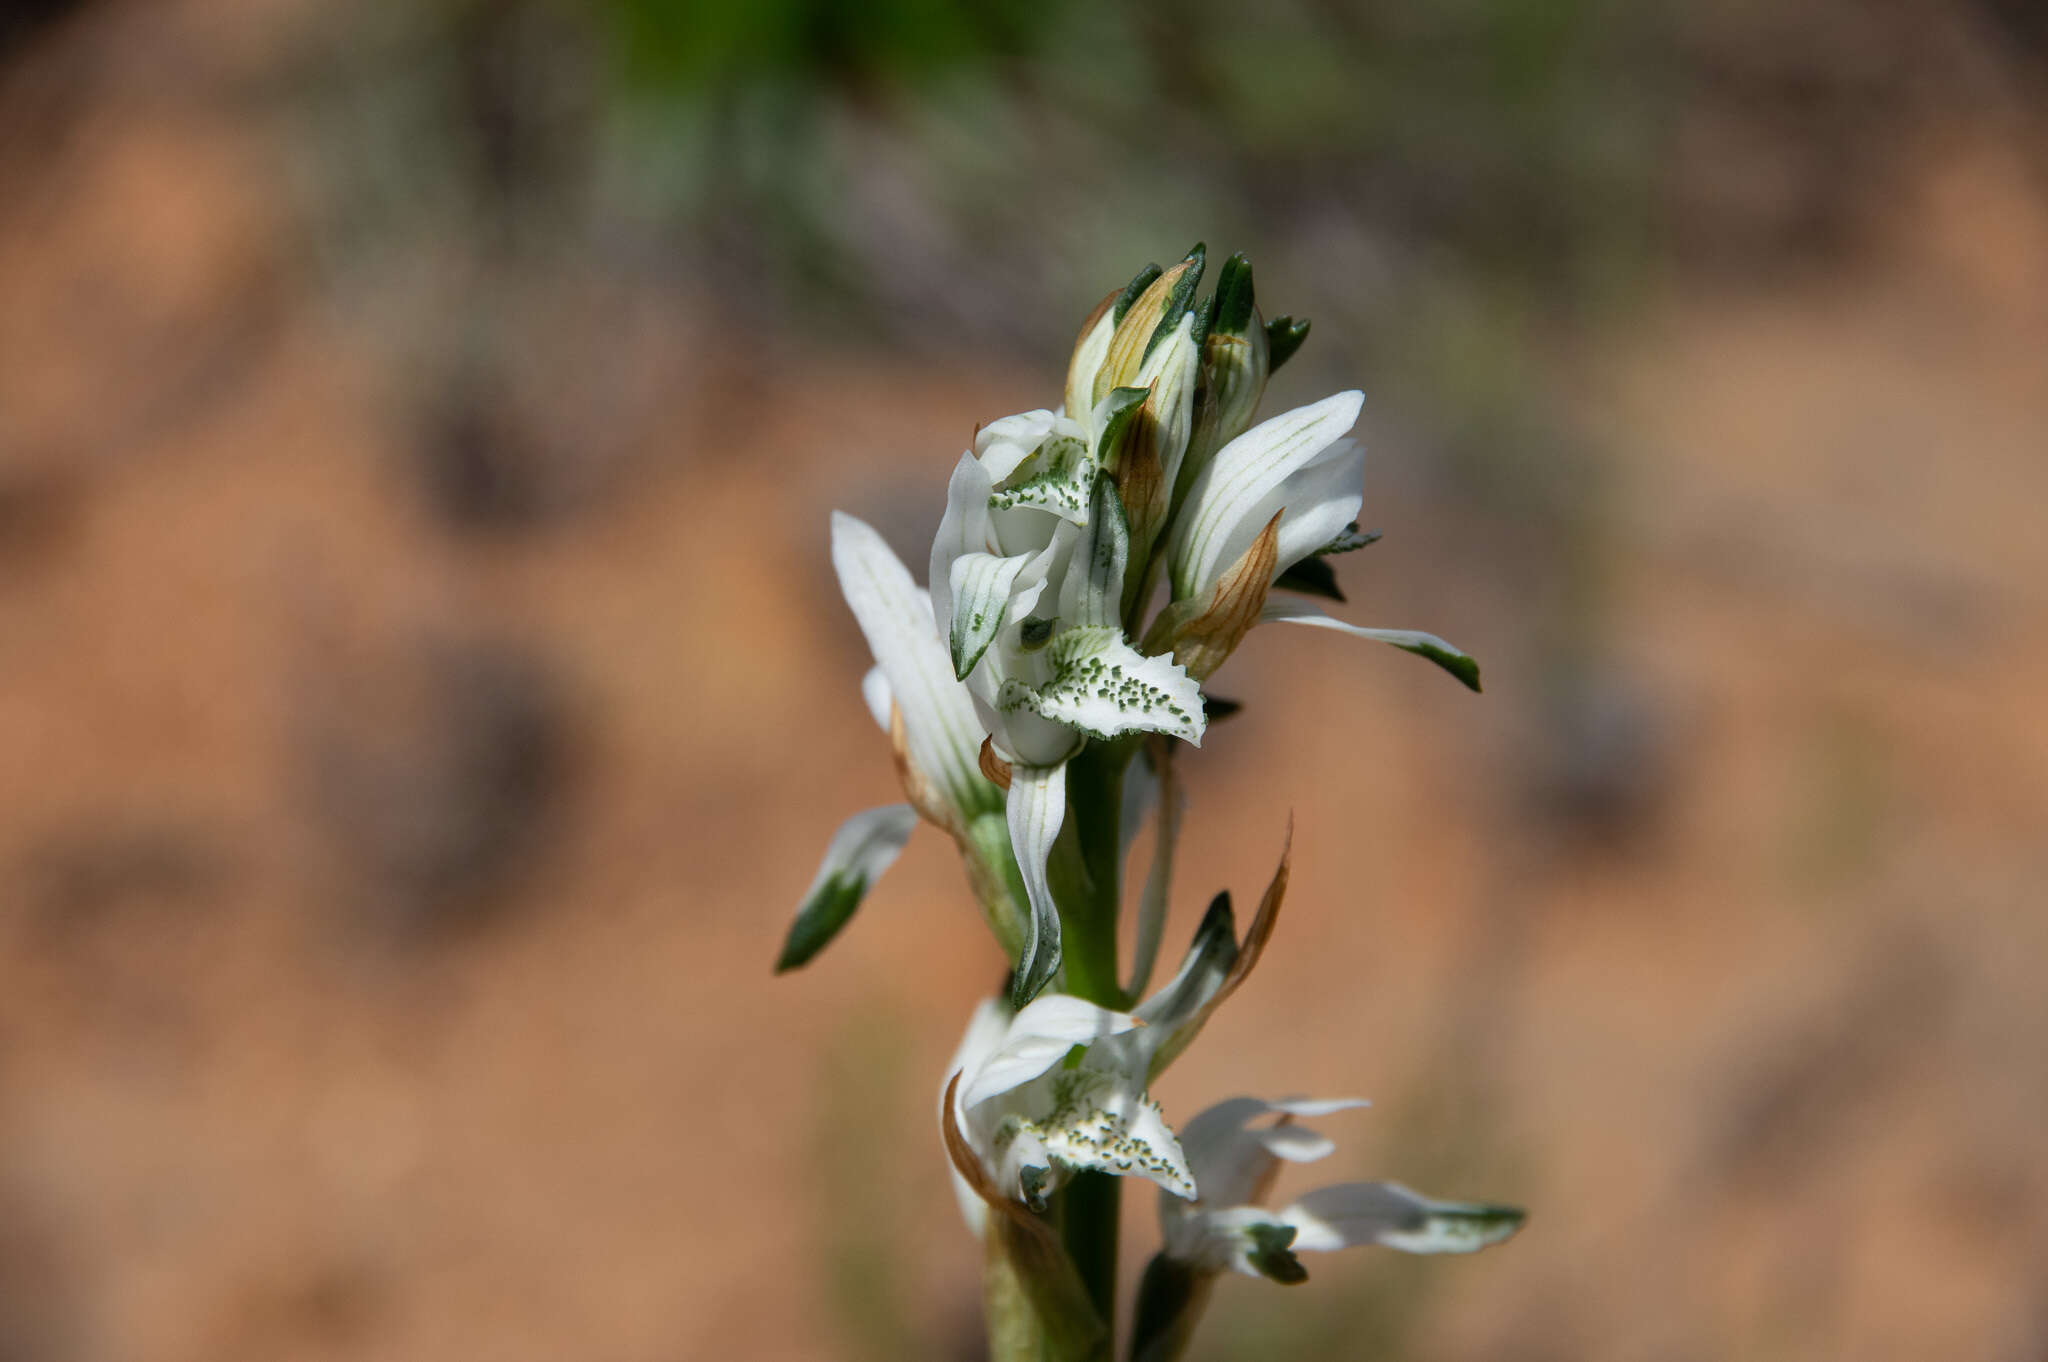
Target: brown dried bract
column 1231, row 608
column 993, row 766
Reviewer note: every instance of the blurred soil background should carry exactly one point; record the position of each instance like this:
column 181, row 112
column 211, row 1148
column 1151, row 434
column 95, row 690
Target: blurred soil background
column 424, row 694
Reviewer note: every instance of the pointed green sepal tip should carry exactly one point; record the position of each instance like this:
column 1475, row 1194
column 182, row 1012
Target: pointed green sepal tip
column 1453, row 660
column 1122, row 409
column 1284, row 336
column 1233, row 303
column 1181, row 301
column 1312, row 576
column 1031, row 978
column 1140, row 281
column 1272, row 1254
column 1217, row 931
column 830, row 906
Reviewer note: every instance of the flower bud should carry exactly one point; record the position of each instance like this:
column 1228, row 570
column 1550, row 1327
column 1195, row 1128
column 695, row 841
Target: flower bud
column 1150, row 319
column 1091, row 348
column 1234, row 367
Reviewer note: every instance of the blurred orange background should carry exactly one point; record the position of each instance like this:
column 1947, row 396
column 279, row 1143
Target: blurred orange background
column 424, row 694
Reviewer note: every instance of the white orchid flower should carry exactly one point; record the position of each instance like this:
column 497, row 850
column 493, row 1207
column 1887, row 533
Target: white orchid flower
column 1054, row 1090
column 1234, row 1163
column 1028, row 575
column 1061, row 1087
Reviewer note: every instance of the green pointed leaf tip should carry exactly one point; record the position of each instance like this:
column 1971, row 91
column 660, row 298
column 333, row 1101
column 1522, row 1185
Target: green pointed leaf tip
column 1271, row 1253
column 1140, row 281
column 1233, row 302
column 1311, row 576
column 1284, row 336
column 1179, row 301
column 820, row 918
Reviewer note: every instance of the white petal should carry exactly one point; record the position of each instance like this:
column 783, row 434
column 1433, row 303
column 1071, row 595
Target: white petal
column 1037, row 806
column 1038, row 1038
column 1227, row 494
column 874, row 688
column 1317, row 500
column 981, row 587
column 1387, row 1213
column 1003, row 444
column 1230, row 1157
column 865, row 845
column 964, row 528
column 1448, row 656
column 1103, row 686
column 939, row 725
column 1315, row 503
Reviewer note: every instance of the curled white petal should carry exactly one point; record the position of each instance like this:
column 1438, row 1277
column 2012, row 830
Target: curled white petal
column 1036, row 808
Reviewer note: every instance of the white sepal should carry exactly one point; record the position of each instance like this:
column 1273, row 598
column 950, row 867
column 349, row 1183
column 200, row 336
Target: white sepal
column 940, row 728
column 1446, row 655
column 874, row 690
column 1222, row 515
column 1388, row 1214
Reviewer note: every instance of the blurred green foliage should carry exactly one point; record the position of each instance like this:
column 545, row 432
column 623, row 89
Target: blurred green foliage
column 665, row 45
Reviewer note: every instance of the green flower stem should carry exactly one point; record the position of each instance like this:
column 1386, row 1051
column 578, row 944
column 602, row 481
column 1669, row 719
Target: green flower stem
column 1089, row 907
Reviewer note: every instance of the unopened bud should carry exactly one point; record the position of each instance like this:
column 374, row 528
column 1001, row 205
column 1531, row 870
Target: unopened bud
column 1234, row 367
column 1150, row 319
